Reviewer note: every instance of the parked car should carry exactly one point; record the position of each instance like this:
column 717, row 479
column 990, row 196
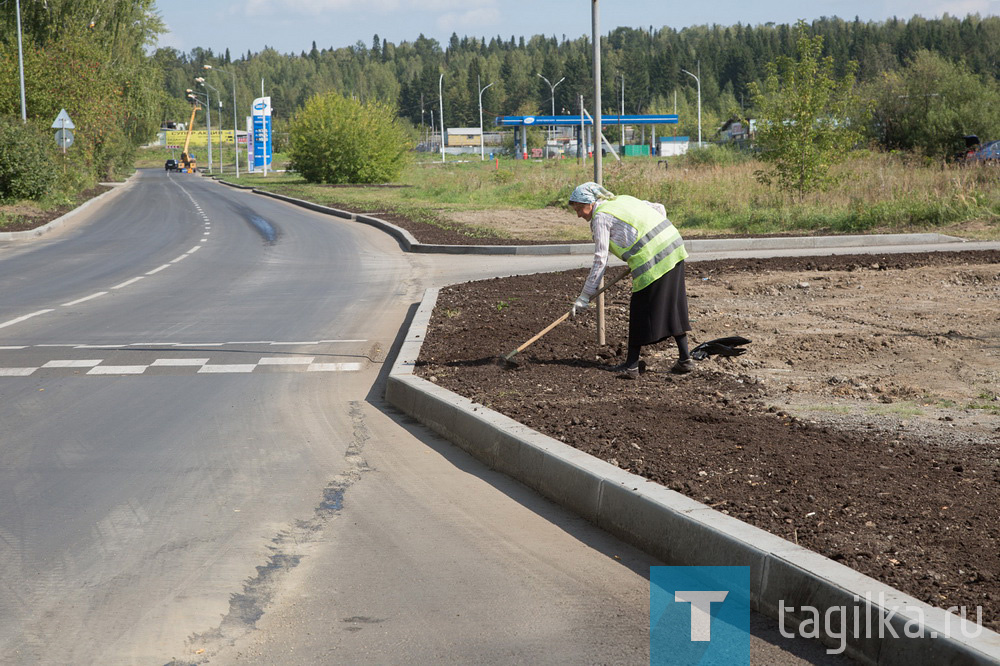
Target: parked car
column 171, row 165
column 988, row 153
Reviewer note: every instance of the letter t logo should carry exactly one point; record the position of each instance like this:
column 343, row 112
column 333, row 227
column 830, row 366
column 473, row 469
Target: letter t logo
column 701, row 616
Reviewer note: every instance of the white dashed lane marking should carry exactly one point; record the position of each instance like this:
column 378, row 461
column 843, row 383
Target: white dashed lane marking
column 27, row 316
column 84, row 299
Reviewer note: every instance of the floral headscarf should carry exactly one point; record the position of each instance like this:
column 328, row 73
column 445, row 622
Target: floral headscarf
column 589, row 193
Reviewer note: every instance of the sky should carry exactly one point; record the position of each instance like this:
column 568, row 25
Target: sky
column 291, row 26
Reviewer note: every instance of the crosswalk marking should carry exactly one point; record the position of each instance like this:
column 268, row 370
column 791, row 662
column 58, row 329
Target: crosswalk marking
column 117, row 370
column 233, row 367
column 179, row 362
column 16, row 372
column 333, row 367
column 269, row 360
column 79, row 363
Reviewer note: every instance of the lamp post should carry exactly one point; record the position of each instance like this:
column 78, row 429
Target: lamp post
column 236, row 142
column 218, row 97
column 208, row 120
column 482, row 149
column 20, row 62
column 441, row 111
column 552, row 90
column 699, row 98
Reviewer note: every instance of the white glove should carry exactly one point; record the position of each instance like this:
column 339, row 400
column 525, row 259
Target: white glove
column 581, row 304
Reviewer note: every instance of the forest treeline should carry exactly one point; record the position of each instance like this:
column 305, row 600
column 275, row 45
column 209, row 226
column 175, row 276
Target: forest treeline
column 649, row 61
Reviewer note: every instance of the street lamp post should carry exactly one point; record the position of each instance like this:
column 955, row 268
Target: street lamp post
column 20, row 62
column 441, row 111
column 696, row 78
column 552, row 89
column 482, row 149
column 236, row 142
column 218, row 98
column 208, row 120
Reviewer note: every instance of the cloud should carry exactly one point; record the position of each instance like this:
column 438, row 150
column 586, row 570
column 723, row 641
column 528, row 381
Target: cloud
column 472, row 19
column 456, row 9
column 936, row 8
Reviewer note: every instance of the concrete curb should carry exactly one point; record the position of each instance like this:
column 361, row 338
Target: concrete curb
column 694, row 246
column 69, row 216
column 682, row 532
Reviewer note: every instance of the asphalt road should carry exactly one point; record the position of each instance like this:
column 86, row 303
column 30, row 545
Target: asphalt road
column 196, row 465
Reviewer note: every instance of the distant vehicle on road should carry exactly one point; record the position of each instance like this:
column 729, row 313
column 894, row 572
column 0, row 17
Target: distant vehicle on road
column 171, row 165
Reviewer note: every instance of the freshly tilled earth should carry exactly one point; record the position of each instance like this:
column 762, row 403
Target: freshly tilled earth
column 862, row 423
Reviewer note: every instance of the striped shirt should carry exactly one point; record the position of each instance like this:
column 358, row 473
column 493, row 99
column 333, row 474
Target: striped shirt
column 606, row 228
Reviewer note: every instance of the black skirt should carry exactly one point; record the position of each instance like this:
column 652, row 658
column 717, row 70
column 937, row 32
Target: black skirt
column 659, row 311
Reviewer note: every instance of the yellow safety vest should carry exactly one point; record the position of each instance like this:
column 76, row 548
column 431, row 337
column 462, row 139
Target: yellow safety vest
column 658, row 246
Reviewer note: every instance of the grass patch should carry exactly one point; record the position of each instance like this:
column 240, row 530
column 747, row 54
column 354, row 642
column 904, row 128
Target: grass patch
column 706, row 193
column 896, row 409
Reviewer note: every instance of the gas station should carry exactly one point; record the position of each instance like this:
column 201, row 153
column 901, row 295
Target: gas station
column 582, row 124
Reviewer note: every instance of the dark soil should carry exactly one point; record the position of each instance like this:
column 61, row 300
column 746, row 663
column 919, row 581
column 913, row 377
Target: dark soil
column 919, row 513
column 26, row 220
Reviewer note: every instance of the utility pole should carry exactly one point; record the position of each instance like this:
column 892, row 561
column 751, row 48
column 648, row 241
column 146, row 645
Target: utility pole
column 598, row 162
column 441, row 111
column 20, row 62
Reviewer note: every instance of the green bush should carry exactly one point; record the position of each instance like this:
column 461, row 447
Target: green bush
column 26, row 169
column 338, row 140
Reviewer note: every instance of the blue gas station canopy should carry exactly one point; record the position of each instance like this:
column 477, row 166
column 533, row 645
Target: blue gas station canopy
column 519, row 121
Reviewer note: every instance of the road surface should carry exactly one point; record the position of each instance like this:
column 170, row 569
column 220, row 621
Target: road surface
column 196, row 465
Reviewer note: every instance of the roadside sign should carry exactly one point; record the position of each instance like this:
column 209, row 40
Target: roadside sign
column 64, row 138
column 63, row 122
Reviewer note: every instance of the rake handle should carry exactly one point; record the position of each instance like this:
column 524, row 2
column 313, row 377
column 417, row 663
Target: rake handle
column 564, row 317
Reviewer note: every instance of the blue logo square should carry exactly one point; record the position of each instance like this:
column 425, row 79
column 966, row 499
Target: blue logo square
column 699, row 615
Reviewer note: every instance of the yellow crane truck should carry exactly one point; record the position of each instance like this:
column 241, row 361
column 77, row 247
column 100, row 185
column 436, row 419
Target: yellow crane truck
column 188, row 163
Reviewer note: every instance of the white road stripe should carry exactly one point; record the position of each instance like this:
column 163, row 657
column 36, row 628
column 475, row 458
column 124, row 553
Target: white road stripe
column 97, row 346
column 194, row 249
column 308, row 342
column 157, row 270
column 271, row 360
column 127, row 282
column 333, row 367
column 80, row 363
column 117, row 370
column 180, row 258
column 20, row 319
column 85, row 298
column 12, row 347
column 197, row 344
column 16, row 372
column 236, row 367
column 179, row 362
column 322, row 341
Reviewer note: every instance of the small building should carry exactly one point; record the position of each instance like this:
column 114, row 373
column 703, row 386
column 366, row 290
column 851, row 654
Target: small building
column 671, row 146
column 737, row 131
column 462, row 136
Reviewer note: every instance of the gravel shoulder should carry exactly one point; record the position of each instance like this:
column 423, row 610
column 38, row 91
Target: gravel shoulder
column 863, row 423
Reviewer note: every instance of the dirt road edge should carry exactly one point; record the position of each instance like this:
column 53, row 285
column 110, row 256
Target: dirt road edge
column 682, row 532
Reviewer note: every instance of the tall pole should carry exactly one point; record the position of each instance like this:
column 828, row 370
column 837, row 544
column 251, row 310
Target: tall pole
column 20, row 62
column 552, row 90
column 482, row 149
column 598, row 162
column 698, row 79
column 236, row 138
column 441, row 111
